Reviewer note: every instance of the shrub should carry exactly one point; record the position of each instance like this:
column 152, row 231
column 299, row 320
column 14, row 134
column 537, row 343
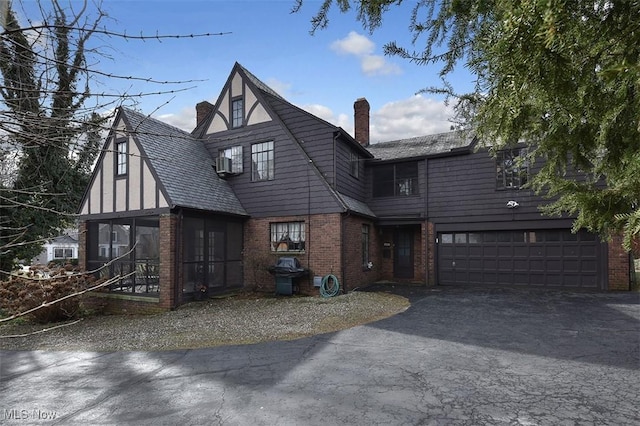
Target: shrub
column 27, row 289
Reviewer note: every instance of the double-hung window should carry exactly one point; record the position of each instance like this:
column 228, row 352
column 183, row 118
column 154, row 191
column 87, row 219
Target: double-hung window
column 288, row 236
column 121, row 158
column 512, row 168
column 262, row 161
column 235, row 154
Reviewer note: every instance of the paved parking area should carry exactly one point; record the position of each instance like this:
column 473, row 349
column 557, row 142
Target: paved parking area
column 457, row 356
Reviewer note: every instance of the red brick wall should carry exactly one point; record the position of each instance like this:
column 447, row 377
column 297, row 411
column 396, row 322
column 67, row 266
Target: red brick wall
column 356, row 275
column 322, row 254
column 619, row 265
column 168, row 253
column 385, row 264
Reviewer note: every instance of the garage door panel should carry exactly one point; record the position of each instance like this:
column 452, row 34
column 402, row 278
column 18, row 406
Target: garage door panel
column 489, row 251
column 520, row 265
column 505, row 265
column 548, row 258
column 520, row 279
column 570, row 250
column 589, row 265
column 521, row 251
column 554, row 265
column 536, row 251
column 536, row 265
column 505, row 251
column 570, row 265
column 554, row 251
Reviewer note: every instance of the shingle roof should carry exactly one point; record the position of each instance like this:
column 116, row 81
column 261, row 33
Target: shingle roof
column 258, row 83
column 356, row 206
column 183, row 166
column 421, row 146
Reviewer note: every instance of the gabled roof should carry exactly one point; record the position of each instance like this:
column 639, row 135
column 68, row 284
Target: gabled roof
column 423, row 146
column 258, row 83
column 182, row 165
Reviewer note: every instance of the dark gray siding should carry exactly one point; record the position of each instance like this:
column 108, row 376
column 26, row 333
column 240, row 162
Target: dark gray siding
column 463, row 189
column 399, row 206
column 296, row 188
column 346, row 183
column 316, row 137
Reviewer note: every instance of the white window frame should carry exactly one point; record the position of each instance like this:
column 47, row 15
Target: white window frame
column 235, row 153
column 288, row 236
column 121, row 157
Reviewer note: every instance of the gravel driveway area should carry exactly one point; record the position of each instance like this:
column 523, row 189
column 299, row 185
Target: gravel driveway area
column 225, row 321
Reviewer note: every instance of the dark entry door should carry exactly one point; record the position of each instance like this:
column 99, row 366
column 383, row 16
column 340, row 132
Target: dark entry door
column 403, row 254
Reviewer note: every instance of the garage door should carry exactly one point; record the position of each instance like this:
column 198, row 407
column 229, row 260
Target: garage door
column 540, row 258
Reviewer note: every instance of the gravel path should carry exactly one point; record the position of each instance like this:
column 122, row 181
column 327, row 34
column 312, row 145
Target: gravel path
column 216, row 322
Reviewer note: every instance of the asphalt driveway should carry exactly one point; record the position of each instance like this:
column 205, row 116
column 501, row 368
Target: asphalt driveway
column 455, row 357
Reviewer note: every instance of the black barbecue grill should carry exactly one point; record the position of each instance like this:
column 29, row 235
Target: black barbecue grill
column 286, row 270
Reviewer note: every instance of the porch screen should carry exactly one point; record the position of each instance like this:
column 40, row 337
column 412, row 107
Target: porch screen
column 128, row 249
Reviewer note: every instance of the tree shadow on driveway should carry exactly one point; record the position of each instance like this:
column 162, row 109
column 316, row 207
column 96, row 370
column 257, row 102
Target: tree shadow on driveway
column 600, row 328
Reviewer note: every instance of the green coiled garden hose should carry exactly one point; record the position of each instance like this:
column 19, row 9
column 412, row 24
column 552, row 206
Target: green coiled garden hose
column 329, row 291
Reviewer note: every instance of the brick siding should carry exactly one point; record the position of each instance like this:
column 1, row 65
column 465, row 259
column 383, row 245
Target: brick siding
column 322, row 255
column 619, row 265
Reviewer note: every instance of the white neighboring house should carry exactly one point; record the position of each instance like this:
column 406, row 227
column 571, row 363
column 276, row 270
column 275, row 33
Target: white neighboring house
column 61, row 247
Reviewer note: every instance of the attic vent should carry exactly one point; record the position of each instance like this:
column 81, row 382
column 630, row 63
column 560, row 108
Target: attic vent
column 223, row 165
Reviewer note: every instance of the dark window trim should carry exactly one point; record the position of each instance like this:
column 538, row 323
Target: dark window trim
column 234, row 118
column 254, row 171
column 514, row 175
column 354, row 164
column 414, row 188
column 125, row 157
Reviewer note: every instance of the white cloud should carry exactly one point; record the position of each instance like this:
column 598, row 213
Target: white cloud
column 377, row 65
column 185, row 119
column 353, row 44
column 361, row 47
column 283, row 89
column 402, row 119
column 340, row 120
column 407, row 118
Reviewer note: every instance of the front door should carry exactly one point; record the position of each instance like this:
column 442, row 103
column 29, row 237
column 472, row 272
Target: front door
column 403, row 253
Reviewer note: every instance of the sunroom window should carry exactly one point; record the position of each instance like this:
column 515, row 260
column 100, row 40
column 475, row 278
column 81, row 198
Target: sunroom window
column 128, row 250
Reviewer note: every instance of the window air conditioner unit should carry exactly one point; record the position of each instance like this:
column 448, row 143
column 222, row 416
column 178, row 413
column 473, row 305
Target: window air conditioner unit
column 223, row 165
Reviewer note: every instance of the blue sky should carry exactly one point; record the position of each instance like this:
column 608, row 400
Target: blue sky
column 324, row 73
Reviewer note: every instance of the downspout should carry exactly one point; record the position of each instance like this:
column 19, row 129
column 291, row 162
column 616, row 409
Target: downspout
column 343, row 256
column 334, row 177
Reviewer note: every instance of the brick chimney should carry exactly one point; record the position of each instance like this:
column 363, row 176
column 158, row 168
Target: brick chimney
column 361, row 121
column 202, row 109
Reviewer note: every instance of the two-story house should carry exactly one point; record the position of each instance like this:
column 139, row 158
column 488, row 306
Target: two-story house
column 176, row 215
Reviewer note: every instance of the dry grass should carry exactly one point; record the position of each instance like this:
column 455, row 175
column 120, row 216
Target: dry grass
column 242, row 319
